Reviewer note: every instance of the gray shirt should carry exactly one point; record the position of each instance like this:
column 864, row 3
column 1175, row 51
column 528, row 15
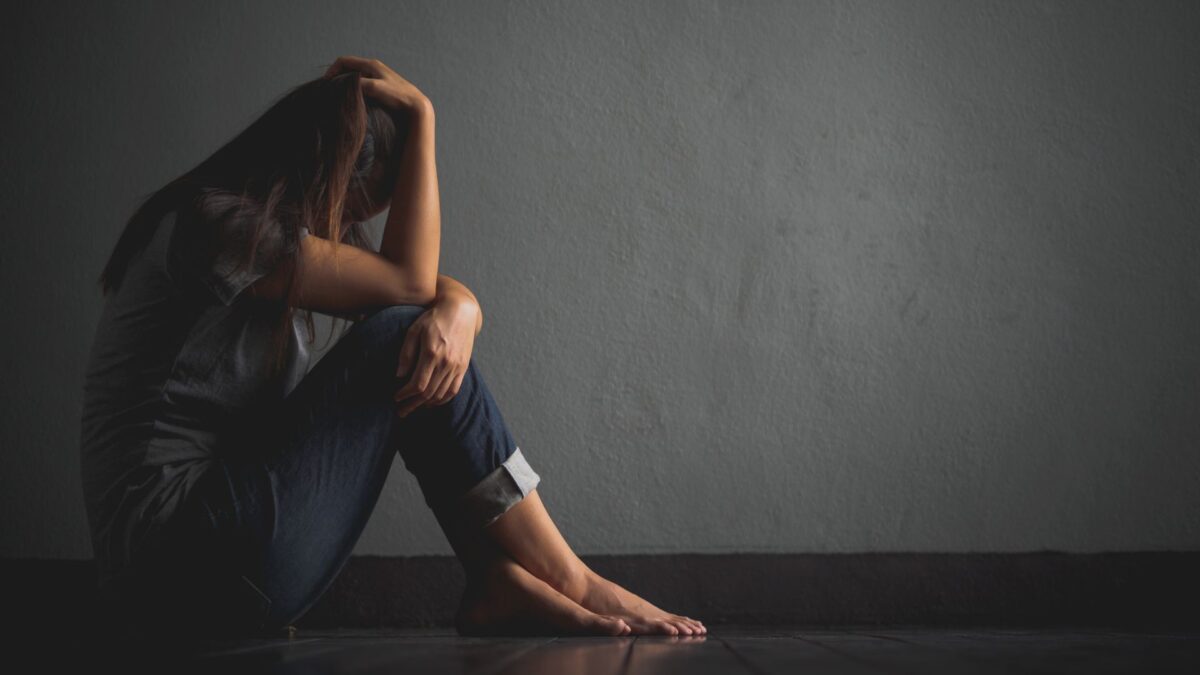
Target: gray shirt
column 178, row 362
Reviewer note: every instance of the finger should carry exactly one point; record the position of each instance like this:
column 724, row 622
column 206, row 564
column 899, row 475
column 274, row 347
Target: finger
column 335, row 68
column 418, row 384
column 425, row 376
column 456, row 386
column 407, row 391
column 416, row 400
column 442, row 388
column 422, row 398
column 406, row 406
column 370, row 87
column 345, row 63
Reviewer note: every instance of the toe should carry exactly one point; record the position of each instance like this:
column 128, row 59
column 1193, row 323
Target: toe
column 667, row 627
column 682, row 623
column 621, row 628
column 612, row 625
column 638, row 627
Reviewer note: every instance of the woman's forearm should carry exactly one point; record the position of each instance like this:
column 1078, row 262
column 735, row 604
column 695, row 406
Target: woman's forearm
column 451, row 289
column 412, row 235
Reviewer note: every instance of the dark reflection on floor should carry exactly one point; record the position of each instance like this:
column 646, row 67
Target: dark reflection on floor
column 725, row 649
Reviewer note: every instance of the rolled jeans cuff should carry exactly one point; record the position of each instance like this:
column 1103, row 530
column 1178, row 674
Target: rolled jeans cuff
column 508, row 484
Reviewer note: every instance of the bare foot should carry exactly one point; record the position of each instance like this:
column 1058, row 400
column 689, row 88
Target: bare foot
column 508, row 600
column 608, row 598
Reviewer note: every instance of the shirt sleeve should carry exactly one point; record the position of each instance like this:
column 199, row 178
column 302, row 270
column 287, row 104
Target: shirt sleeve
column 213, row 254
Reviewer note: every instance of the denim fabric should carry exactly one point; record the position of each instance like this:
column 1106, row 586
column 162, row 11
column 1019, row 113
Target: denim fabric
column 273, row 520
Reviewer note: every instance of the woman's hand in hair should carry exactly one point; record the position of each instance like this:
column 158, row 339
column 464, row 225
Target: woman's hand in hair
column 382, row 83
column 439, row 341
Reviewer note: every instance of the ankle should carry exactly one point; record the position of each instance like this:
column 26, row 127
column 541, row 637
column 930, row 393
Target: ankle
column 572, row 581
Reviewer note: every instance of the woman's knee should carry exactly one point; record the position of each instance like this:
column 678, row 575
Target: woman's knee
column 391, row 322
column 403, row 314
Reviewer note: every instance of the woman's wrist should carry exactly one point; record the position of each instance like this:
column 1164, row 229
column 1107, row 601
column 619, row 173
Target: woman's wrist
column 459, row 301
column 454, row 298
column 420, row 108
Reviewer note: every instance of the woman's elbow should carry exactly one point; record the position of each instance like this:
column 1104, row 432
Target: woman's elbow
column 423, row 295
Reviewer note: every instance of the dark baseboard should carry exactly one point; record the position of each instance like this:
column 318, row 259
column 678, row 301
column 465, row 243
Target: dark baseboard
column 1125, row 590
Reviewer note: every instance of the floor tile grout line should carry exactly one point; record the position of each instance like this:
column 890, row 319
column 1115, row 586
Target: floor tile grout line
column 857, row 659
column 1004, row 664
column 513, row 658
column 750, row 665
column 624, row 669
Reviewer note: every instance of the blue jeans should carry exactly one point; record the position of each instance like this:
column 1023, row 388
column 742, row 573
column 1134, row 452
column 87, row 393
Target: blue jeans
column 274, row 520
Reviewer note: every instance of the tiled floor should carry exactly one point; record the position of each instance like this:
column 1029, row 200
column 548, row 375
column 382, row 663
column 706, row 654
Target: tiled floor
column 725, row 649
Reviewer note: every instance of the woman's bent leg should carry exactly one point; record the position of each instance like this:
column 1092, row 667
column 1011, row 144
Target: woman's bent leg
column 469, row 468
column 275, row 519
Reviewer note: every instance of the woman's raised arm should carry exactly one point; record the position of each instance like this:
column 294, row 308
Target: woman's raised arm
column 412, row 235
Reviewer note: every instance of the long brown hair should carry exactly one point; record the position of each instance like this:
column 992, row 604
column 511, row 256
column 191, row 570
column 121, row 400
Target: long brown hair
column 322, row 151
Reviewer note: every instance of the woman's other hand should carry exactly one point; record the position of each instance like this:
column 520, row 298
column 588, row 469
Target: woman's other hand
column 440, row 342
column 381, row 83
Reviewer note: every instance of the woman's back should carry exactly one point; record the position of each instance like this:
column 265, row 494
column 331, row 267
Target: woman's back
column 178, row 361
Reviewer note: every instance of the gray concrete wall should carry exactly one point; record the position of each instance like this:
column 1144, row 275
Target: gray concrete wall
column 756, row 276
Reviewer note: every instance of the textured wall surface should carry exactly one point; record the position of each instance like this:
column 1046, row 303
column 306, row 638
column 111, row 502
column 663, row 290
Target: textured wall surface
column 756, row 276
